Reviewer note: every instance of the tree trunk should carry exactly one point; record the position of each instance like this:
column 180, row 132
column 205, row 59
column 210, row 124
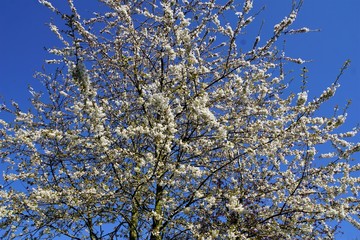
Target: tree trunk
column 157, row 219
column 134, row 219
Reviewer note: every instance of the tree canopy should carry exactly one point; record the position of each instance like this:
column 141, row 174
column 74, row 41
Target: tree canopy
column 157, row 124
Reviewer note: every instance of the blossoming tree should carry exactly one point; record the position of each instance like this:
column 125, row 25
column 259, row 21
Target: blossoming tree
column 157, row 125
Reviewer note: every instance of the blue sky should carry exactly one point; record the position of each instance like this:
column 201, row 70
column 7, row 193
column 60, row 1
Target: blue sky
column 24, row 34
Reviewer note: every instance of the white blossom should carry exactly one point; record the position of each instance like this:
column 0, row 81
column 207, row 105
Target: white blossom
column 156, row 124
column 302, row 98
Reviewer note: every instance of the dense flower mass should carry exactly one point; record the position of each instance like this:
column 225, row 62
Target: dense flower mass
column 158, row 125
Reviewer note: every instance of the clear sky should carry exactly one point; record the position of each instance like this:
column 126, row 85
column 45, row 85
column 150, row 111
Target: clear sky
column 24, row 34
